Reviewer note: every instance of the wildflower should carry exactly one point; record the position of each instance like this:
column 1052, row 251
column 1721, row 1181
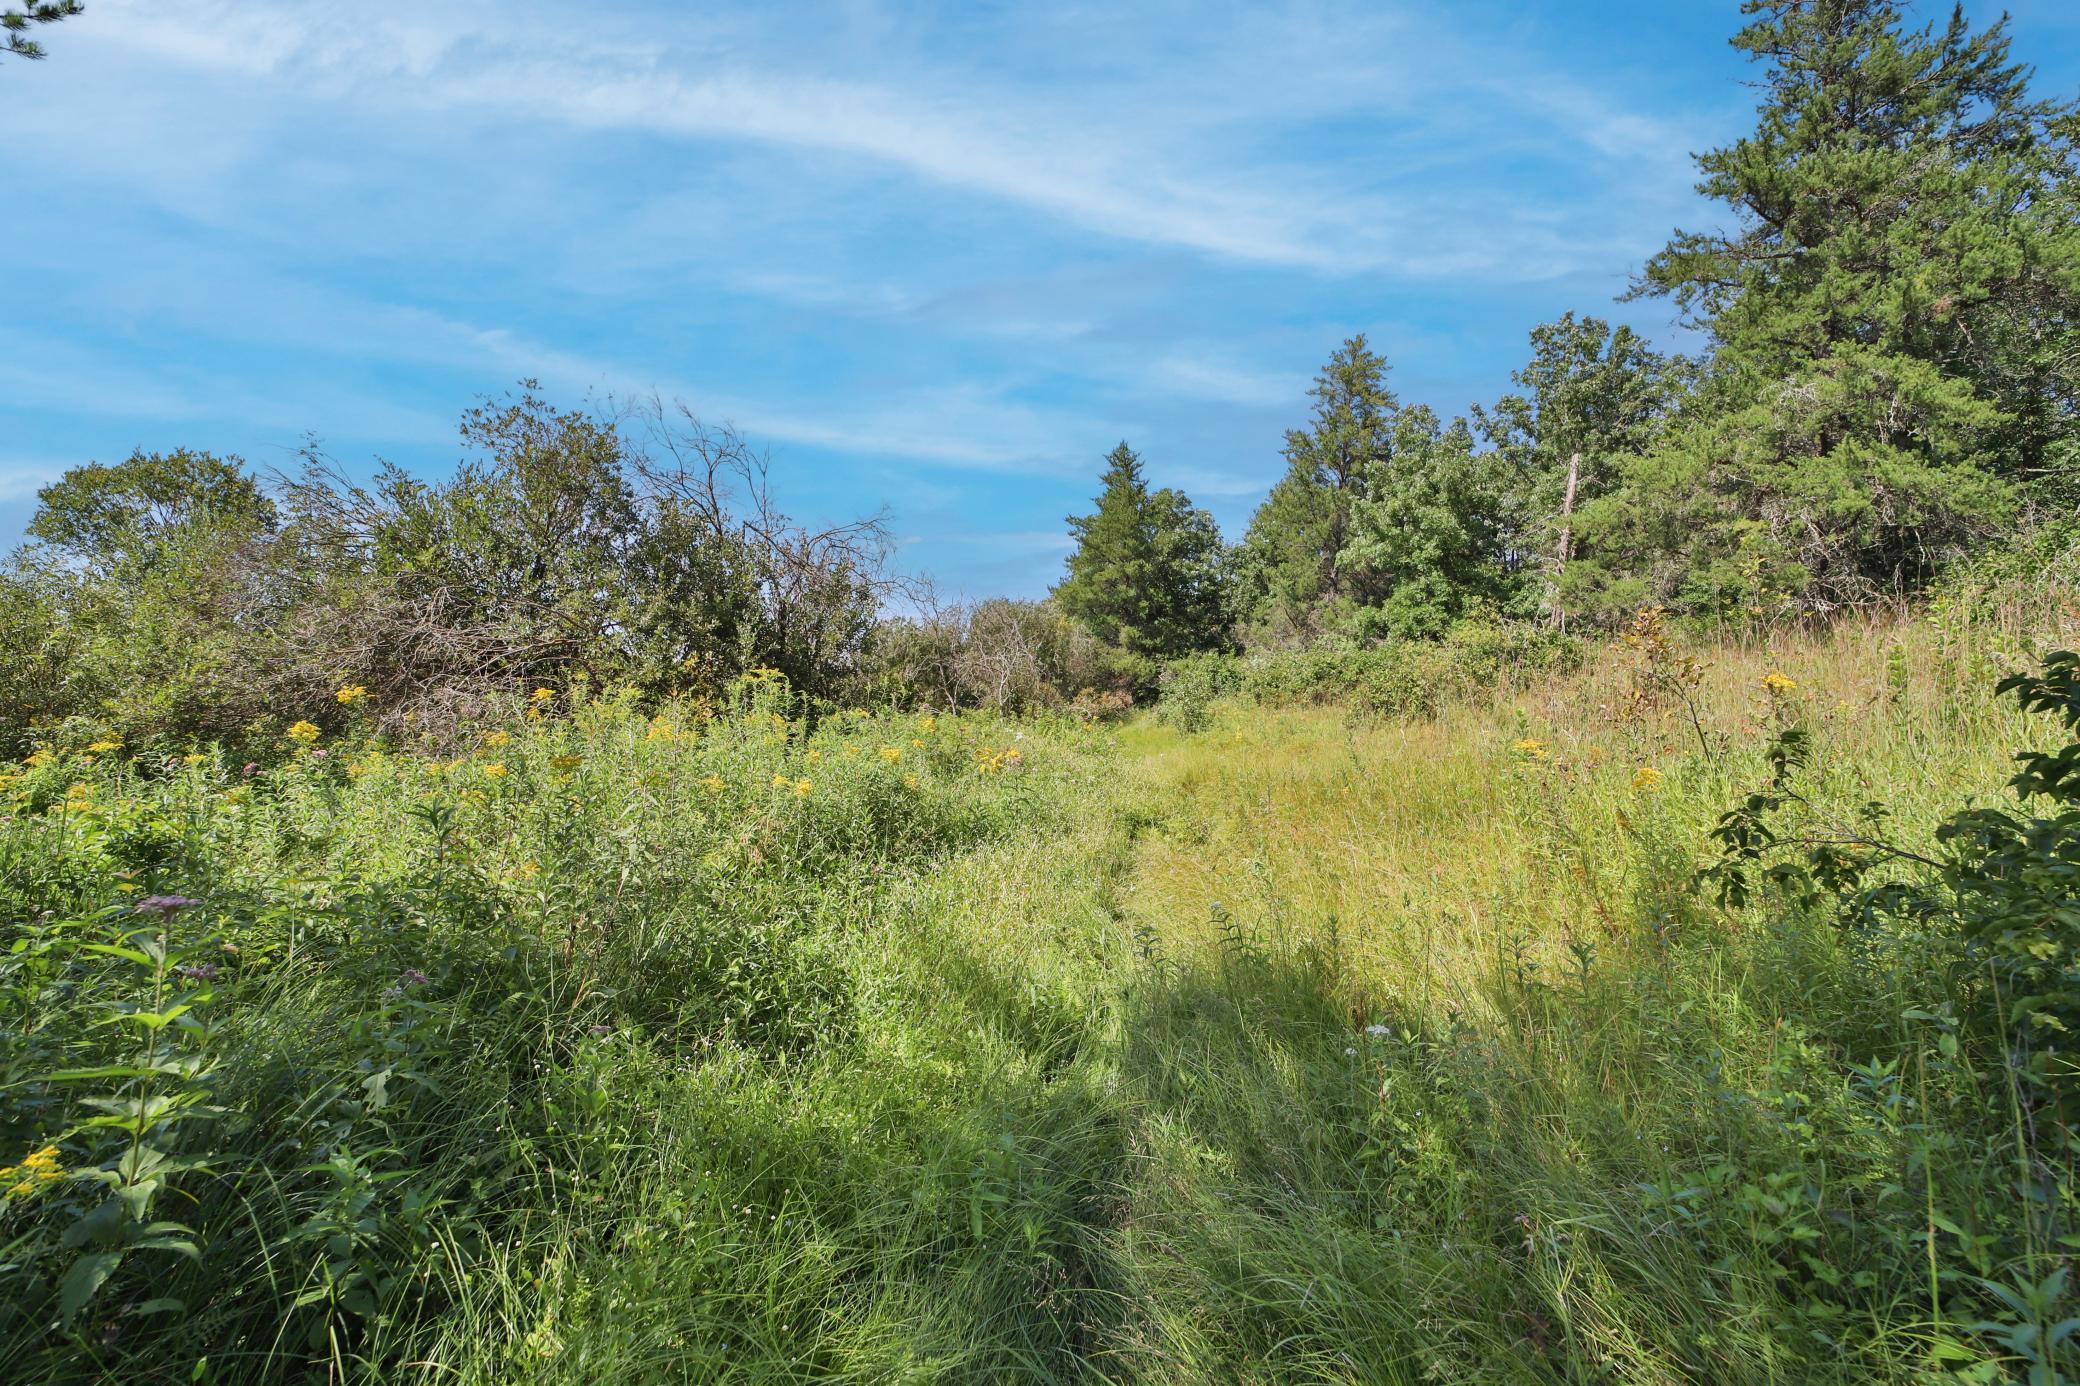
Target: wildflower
column 909, row 781
column 782, row 782
column 713, row 782
column 496, row 769
column 353, row 693
column 928, row 722
column 1777, row 684
column 252, row 768
column 163, row 905
column 304, row 732
column 802, row 788
column 195, row 758
column 1380, row 1031
column 39, row 758
column 1646, row 779
column 566, row 762
column 891, row 754
column 661, row 730
column 410, row 977
column 37, row 1168
column 541, row 695
column 197, row 972
column 100, row 746
column 357, row 768
column 1531, row 748
column 915, row 741
column 497, row 738
column 1350, row 1053
column 319, row 754
column 813, row 757
column 527, row 870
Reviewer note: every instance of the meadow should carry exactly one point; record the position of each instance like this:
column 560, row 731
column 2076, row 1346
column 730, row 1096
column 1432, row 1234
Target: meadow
column 1265, row 1040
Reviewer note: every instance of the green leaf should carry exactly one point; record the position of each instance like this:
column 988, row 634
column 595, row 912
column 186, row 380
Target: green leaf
column 84, row 1280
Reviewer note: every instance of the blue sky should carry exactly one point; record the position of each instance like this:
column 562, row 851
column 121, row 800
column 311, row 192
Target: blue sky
column 935, row 258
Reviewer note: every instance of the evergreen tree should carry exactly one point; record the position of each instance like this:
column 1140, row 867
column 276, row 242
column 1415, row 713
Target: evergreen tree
column 14, row 25
column 1888, row 318
column 1149, row 572
column 1290, row 555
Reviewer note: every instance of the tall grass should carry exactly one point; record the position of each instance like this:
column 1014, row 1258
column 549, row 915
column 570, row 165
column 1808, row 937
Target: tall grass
column 1312, row 1045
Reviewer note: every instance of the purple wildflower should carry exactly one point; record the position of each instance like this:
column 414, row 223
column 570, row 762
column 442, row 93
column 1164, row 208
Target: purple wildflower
column 198, row 972
column 165, row 904
column 252, row 769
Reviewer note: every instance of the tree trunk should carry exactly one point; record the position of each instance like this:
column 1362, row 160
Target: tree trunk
column 1566, row 549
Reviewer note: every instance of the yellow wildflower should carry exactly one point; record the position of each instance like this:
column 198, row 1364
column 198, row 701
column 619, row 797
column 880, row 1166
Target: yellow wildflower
column 909, row 781
column 527, row 870
column 195, row 758
column 496, row 769
column 1646, row 779
column 661, row 730
column 356, row 769
column 1531, row 748
column 782, row 782
column 891, row 754
column 566, row 762
column 914, row 741
column 351, row 694
column 305, row 732
column 802, row 787
column 541, row 695
column 100, row 746
column 38, row 758
column 37, row 1168
column 713, row 782
column 497, row 738
column 813, row 757
column 928, row 722
column 1776, row 684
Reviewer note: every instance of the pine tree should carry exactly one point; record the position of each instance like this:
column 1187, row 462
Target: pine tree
column 1290, row 555
column 14, row 25
column 1149, row 572
column 1888, row 319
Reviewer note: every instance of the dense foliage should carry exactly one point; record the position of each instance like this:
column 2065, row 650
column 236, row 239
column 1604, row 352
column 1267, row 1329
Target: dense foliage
column 1890, row 382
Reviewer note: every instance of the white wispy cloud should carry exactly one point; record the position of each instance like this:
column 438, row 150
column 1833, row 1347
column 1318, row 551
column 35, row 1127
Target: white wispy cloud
column 1185, row 154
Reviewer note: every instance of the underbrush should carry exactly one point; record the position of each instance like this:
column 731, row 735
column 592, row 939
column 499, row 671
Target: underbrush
column 1691, row 1016
column 1399, row 678
column 318, row 1063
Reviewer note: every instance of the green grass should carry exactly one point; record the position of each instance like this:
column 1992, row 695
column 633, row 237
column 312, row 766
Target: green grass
column 962, row 1066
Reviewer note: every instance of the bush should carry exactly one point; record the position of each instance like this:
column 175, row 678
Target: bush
column 1397, row 678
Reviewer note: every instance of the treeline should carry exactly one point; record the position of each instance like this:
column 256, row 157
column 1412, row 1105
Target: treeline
column 173, row 600
column 1891, row 385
